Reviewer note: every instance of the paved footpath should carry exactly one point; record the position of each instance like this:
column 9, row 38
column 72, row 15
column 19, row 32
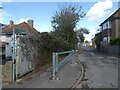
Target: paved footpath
column 68, row 75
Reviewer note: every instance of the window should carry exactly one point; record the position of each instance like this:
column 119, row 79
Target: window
column 8, row 35
column 106, row 25
column 12, row 49
column 109, row 24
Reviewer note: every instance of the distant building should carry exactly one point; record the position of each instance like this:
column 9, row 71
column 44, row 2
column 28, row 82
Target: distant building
column 6, row 35
column 111, row 26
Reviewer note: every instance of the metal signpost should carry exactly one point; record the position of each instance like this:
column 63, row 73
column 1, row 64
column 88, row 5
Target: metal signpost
column 53, row 61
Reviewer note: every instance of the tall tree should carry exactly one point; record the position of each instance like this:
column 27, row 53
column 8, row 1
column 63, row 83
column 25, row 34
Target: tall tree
column 64, row 22
column 98, row 39
column 81, row 32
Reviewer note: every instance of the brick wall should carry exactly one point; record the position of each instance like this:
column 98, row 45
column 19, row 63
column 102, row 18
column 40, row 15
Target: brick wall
column 115, row 24
column 111, row 49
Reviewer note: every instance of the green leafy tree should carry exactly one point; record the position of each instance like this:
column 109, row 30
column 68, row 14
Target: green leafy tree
column 81, row 32
column 98, row 39
column 64, row 22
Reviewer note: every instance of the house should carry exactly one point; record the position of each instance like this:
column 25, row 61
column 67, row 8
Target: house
column 27, row 27
column 110, row 34
column 6, row 34
column 12, row 49
column 111, row 27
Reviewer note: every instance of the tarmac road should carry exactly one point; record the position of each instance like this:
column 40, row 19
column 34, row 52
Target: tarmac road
column 101, row 70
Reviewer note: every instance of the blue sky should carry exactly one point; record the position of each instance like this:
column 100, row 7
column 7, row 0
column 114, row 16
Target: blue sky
column 42, row 12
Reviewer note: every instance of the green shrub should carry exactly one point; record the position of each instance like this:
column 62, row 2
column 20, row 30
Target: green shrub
column 115, row 41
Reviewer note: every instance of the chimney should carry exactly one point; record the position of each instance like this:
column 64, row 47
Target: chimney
column 11, row 23
column 30, row 22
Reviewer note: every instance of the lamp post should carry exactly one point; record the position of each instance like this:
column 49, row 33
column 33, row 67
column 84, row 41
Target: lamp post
column 13, row 58
column 13, row 54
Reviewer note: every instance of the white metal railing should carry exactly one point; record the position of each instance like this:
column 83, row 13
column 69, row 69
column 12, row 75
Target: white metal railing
column 57, row 65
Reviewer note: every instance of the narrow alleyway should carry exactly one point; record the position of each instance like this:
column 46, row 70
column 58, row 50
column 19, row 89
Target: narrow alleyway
column 101, row 70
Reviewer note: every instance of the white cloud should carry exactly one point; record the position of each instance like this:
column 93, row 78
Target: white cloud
column 89, row 36
column 22, row 20
column 4, row 15
column 99, row 10
column 92, row 33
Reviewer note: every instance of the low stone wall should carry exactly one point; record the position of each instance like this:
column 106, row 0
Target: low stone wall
column 30, row 48
column 7, row 72
column 111, row 49
column 31, row 53
column 27, row 53
column 114, row 49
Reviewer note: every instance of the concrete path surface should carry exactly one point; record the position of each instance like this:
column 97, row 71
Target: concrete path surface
column 68, row 75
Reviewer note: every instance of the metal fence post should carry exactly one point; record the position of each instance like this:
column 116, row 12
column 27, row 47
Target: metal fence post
column 13, row 58
column 53, row 61
column 56, row 62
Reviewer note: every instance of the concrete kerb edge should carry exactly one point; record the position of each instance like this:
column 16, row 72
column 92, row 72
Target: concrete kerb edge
column 81, row 75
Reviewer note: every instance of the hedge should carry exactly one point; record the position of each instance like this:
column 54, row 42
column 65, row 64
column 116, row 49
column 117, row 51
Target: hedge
column 115, row 41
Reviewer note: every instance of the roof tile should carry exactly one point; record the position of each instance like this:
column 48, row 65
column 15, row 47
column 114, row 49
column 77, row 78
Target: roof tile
column 23, row 26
